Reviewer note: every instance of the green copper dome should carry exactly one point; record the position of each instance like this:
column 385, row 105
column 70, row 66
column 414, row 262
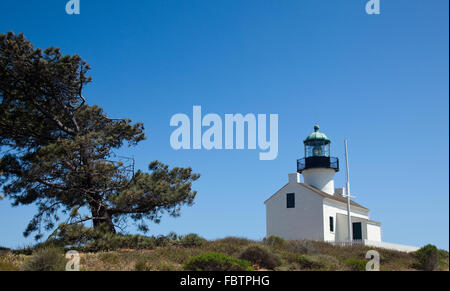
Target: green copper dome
column 317, row 136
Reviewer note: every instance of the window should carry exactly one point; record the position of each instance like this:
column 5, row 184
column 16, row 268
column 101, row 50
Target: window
column 331, row 223
column 290, row 200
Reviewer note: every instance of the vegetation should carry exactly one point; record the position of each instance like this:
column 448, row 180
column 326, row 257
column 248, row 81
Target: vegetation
column 192, row 240
column 356, row 264
column 216, row 262
column 170, row 252
column 429, row 258
column 46, row 259
column 260, row 256
column 274, row 241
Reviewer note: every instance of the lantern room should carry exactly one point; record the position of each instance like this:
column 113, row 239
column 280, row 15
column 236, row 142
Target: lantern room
column 317, row 144
column 317, row 152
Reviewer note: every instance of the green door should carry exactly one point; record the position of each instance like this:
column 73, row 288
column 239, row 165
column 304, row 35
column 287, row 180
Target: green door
column 357, row 231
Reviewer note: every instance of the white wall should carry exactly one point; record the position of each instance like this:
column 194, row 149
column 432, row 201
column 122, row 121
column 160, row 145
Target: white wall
column 373, row 232
column 302, row 222
column 390, row 246
column 331, row 208
column 321, row 178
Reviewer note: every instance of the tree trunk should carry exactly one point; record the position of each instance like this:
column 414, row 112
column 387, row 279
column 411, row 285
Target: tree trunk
column 102, row 220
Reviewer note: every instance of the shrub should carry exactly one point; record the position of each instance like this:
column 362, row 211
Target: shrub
column 310, row 262
column 110, row 241
column 216, row 262
column 5, row 265
column 141, row 266
column 172, row 236
column 162, row 241
column 229, row 249
column 89, row 239
column 274, row 241
column 24, row 250
column 260, row 256
column 428, row 258
column 237, row 241
column 166, row 267
column 356, row 264
column 301, row 247
column 46, row 259
column 192, row 240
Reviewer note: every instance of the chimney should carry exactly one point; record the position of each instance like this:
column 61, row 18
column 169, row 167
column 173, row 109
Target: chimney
column 340, row 191
column 294, row 178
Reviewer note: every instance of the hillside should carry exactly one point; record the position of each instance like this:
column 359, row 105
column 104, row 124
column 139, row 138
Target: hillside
column 280, row 255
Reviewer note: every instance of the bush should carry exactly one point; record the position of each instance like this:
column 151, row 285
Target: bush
column 46, row 259
column 229, row 249
column 6, row 265
column 237, row 241
column 260, row 256
column 310, row 262
column 428, row 258
column 172, row 236
column 24, row 250
column 274, row 241
column 356, row 264
column 141, row 266
column 90, row 239
column 216, row 262
column 110, row 241
column 302, row 247
column 166, row 267
column 192, row 240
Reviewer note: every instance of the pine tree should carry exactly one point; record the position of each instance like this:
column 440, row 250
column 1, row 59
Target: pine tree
column 58, row 152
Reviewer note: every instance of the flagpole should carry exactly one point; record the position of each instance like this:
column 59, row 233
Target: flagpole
column 350, row 232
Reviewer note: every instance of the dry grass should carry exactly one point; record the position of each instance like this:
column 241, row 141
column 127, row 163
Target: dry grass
column 294, row 255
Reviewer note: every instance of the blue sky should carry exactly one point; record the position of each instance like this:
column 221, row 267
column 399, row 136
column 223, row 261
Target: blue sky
column 379, row 80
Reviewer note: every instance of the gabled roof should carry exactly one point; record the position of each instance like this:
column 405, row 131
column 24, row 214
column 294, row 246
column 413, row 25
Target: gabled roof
column 335, row 197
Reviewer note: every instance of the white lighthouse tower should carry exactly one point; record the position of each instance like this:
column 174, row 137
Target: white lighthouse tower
column 317, row 167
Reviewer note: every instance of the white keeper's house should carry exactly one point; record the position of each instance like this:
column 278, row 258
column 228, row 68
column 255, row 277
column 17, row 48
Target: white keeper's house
column 314, row 209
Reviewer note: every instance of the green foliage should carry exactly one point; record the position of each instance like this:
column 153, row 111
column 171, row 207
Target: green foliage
column 260, row 256
column 60, row 151
column 310, row 262
column 141, row 266
column 24, row 250
column 46, row 259
column 216, row 262
column 91, row 239
column 192, row 240
column 428, row 258
column 229, row 249
column 356, row 264
column 274, row 241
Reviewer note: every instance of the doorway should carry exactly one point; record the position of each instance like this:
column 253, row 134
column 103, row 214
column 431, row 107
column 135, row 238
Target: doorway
column 357, row 231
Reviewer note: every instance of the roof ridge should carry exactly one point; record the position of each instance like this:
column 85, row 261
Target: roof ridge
column 329, row 196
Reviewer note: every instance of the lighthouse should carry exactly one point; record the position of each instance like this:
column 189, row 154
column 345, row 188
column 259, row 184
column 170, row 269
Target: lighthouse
column 315, row 210
column 318, row 167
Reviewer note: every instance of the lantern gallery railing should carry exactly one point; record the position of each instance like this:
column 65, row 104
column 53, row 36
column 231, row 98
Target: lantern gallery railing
column 317, row 162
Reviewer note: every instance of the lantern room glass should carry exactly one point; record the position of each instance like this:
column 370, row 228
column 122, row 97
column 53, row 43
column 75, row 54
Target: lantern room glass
column 317, row 149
